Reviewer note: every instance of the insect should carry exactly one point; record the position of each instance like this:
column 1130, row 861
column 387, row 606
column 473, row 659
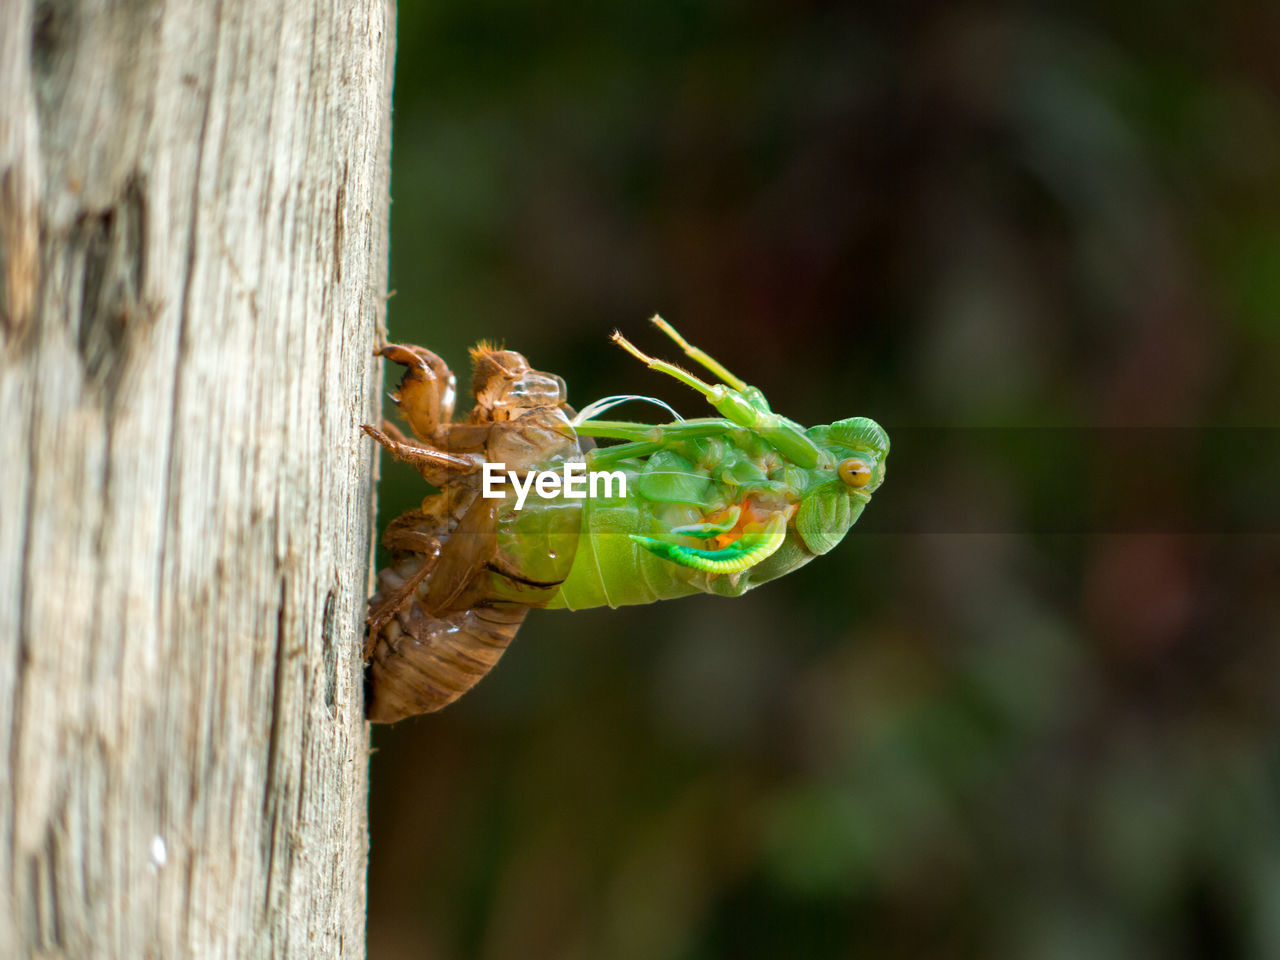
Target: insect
column 708, row 505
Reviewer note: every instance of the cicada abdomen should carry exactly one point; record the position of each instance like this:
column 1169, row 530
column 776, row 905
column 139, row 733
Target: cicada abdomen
column 466, row 568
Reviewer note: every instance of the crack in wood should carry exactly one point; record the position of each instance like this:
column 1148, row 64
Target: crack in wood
column 113, row 252
column 329, row 651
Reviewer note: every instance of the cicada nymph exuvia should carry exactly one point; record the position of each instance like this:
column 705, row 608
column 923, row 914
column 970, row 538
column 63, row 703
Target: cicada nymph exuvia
column 712, row 505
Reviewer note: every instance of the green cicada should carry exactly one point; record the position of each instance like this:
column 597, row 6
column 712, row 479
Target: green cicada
column 710, row 505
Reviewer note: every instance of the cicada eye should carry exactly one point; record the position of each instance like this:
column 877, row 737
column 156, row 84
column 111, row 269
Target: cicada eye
column 855, row 472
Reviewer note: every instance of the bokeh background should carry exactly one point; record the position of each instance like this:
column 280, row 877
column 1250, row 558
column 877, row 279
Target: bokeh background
column 1028, row 709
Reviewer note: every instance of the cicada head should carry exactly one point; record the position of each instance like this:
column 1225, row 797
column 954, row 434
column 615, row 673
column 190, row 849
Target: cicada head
column 506, row 387
column 841, row 485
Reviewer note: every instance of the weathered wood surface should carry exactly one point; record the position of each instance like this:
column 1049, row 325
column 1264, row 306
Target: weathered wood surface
column 193, row 202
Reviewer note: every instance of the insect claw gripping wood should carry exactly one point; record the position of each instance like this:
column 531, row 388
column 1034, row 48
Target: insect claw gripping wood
column 427, row 390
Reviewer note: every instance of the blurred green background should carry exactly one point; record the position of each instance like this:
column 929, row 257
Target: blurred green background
column 1028, row 709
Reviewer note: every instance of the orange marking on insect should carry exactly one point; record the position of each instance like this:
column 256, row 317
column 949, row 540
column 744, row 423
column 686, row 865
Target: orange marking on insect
column 751, row 514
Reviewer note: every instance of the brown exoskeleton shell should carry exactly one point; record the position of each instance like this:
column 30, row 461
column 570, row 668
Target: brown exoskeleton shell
column 450, row 601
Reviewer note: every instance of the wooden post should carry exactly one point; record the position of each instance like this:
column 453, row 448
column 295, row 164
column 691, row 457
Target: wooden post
column 193, row 224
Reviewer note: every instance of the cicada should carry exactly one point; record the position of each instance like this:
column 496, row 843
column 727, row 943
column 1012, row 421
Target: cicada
column 709, row 505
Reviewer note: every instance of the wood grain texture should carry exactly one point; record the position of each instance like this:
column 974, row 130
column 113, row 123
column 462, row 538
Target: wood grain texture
column 193, row 207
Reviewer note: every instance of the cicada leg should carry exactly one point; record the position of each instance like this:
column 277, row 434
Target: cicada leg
column 427, row 391
column 437, row 467
column 426, row 396
column 383, row 608
column 395, row 433
column 648, row 432
column 414, row 539
column 646, row 438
